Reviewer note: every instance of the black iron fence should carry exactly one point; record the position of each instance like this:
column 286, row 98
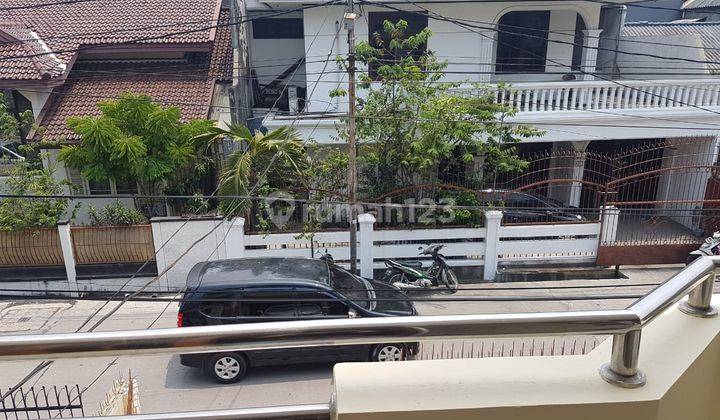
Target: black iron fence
column 43, row 403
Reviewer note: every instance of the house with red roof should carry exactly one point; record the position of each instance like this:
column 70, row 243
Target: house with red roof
column 59, row 59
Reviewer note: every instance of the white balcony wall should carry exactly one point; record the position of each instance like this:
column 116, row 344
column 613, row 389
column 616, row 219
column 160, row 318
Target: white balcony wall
column 470, row 51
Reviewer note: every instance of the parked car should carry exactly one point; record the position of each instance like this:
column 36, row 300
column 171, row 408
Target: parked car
column 524, row 207
column 286, row 289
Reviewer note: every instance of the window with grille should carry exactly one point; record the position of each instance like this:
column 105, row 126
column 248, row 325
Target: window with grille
column 522, row 42
column 99, row 187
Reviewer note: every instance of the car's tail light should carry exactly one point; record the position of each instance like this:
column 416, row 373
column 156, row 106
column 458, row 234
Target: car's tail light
column 180, row 319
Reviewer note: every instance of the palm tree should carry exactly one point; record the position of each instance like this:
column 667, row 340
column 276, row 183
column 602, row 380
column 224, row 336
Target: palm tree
column 257, row 156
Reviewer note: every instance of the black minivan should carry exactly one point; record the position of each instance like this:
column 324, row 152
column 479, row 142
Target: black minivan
column 247, row 290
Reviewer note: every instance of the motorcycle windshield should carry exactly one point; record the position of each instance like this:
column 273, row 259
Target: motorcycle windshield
column 391, row 301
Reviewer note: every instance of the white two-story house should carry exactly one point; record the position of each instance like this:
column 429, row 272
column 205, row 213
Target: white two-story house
column 596, row 86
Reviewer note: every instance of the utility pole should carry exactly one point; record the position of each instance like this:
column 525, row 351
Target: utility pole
column 352, row 151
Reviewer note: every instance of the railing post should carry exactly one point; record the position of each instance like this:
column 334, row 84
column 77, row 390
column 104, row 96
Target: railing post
column 492, row 240
column 623, row 367
column 67, row 250
column 698, row 302
column 365, row 237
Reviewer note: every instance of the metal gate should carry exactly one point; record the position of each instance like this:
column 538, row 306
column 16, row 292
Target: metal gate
column 43, row 403
column 666, row 198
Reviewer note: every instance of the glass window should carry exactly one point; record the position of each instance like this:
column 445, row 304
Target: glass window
column 278, row 28
column 522, row 42
column 125, row 186
column 416, row 23
column 220, row 304
column 318, row 304
column 99, row 187
column 350, row 286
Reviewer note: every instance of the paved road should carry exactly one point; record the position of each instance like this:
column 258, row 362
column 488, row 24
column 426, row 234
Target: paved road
column 165, row 385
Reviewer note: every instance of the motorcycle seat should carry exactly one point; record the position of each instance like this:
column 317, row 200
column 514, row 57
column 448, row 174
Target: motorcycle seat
column 411, row 264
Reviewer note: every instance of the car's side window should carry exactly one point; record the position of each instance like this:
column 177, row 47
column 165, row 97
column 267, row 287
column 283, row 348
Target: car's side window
column 320, row 304
column 269, row 304
column 220, row 304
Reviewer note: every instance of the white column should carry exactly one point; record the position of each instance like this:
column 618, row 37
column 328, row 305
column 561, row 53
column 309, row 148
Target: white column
column 577, row 173
column 588, row 63
column 486, row 55
column 235, row 242
column 610, row 216
column 365, row 250
column 492, row 241
column 67, row 251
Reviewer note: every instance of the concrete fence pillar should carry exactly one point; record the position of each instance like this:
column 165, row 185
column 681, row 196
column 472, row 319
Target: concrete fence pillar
column 235, row 243
column 492, row 242
column 365, row 250
column 67, row 250
column 610, row 216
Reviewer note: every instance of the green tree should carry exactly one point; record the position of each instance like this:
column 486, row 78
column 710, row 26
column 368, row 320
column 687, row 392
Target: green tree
column 135, row 139
column 28, row 213
column 265, row 162
column 410, row 119
column 11, row 125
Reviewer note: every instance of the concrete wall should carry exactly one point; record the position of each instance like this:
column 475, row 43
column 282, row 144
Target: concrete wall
column 679, row 354
column 173, row 236
column 661, row 68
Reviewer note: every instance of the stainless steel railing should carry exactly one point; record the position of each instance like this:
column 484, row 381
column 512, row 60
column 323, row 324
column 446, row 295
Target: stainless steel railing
column 696, row 280
column 288, row 412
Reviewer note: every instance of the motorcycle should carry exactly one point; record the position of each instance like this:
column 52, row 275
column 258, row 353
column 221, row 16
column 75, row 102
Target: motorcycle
column 410, row 275
column 710, row 247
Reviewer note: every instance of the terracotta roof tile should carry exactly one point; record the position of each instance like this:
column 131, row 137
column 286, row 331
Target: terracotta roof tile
column 17, row 40
column 186, row 83
column 92, row 83
column 221, row 61
column 69, row 26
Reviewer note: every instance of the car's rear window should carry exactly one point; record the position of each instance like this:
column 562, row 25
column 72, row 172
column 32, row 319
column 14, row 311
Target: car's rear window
column 264, row 269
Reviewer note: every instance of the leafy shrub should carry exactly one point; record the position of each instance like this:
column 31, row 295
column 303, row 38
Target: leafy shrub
column 115, row 214
column 19, row 213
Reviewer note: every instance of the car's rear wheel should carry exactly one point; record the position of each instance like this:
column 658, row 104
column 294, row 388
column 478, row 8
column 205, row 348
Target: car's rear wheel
column 226, row 368
column 388, row 353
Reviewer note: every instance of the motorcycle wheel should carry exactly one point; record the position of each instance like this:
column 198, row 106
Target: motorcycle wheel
column 449, row 278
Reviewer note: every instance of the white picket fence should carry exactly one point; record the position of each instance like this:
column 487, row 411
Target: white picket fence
column 488, row 246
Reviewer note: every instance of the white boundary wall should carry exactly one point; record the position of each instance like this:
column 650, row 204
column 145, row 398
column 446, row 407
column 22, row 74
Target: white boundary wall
column 463, row 246
column 548, row 243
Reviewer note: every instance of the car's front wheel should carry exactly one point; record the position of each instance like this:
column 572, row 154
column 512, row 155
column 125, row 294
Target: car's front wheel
column 226, row 368
column 388, row 353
